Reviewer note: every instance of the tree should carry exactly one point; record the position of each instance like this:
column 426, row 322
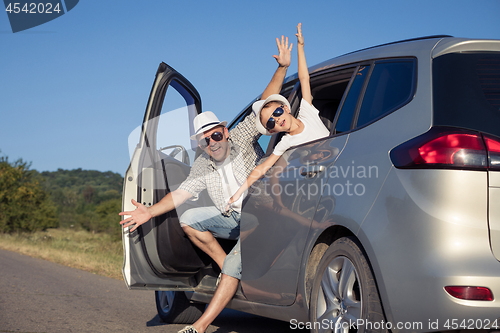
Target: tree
column 24, row 204
column 87, row 199
column 89, row 194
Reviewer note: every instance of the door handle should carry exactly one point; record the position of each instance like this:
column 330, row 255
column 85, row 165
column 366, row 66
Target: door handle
column 311, row 171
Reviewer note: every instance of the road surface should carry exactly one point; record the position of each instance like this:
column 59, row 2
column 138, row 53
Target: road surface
column 41, row 296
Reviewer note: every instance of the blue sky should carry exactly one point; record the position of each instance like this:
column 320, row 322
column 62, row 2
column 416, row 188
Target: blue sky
column 72, row 90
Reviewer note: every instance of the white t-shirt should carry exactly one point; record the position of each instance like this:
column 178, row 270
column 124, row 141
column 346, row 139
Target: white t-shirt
column 229, row 183
column 313, row 129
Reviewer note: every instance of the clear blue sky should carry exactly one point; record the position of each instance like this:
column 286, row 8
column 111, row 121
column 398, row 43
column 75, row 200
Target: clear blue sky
column 73, row 89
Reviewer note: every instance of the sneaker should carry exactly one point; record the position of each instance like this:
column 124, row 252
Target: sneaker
column 188, row 329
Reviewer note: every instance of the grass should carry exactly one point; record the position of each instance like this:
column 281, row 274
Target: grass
column 95, row 253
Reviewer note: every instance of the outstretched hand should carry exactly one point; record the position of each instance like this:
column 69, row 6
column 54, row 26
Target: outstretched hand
column 284, row 56
column 137, row 217
column 300, row 38
column 231, row 200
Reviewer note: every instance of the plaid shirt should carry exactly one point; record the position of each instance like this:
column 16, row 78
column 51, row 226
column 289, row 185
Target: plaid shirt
column 244, row 153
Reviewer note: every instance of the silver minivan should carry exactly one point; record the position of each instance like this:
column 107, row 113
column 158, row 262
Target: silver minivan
column 390, row 223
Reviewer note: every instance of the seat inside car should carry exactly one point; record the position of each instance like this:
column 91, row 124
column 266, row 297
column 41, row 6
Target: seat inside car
column 327, row 110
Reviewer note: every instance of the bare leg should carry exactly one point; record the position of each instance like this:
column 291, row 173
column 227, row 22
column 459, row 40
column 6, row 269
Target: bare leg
column 223, row 294
column 207, row 243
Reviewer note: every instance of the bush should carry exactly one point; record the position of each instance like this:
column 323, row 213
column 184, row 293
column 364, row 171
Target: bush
column 24, row 204
column 109, row 218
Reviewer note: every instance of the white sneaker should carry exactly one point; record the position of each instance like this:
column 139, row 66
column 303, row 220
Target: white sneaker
column 188, row 329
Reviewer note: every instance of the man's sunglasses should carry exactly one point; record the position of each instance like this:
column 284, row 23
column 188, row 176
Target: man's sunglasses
column 205, row 142
column 271, row 122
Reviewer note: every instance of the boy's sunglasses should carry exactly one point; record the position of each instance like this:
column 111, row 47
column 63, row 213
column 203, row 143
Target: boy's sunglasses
column 205, row 142
column 271, row 122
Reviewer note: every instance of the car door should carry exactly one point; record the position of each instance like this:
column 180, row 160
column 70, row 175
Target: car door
column 158, row 255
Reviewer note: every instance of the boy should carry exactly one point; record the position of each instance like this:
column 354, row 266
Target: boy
column 273, row 116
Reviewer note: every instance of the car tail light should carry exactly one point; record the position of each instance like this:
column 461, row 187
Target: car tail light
column 470, row 293
column 445, row 148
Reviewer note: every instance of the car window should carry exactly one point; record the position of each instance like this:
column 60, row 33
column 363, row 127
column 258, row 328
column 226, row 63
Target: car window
column 327, row 91
column 172, row 135
column 346, row 115
column 264, row 141
column 390, row 87
column 466, row 91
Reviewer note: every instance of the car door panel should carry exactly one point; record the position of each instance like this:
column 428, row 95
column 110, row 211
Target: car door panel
column 158, row 254
column 272, row 250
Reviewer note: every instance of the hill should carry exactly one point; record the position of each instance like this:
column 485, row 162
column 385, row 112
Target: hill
column 86, row 199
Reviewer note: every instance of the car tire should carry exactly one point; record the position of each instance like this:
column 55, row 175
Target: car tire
column 344, row 292
column 174, row 308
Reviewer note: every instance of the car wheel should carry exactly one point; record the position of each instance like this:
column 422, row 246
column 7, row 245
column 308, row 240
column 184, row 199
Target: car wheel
column 174, row 307
column 344, row 296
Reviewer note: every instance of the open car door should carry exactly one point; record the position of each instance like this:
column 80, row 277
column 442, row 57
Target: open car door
column 158, row 255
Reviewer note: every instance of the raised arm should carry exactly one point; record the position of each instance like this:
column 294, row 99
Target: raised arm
column 283, row 59
column 303, row 71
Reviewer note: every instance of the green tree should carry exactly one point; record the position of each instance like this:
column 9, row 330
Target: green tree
column 24, row 204
column 87, row 199
column 109, row 220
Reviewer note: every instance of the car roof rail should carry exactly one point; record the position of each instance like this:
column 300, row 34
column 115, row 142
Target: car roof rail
column 401, row 41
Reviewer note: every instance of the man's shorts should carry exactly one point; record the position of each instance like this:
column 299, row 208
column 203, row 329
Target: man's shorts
column 211, row 219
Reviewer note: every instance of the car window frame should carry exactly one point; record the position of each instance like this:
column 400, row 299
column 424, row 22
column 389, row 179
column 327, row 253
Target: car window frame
column 371, row 63
column 325, row 74
column 346, row 93
column 361, row 98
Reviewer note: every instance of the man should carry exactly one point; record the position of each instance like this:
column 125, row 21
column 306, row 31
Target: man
column 227, row 160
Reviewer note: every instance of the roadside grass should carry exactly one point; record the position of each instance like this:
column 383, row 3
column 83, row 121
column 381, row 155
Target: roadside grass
column 95, row 253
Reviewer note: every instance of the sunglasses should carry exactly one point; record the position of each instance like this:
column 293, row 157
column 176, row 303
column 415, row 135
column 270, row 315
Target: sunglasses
column 205, row 142
column 271, row 122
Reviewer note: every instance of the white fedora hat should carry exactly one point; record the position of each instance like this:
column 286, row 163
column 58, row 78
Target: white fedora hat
column 204, row 122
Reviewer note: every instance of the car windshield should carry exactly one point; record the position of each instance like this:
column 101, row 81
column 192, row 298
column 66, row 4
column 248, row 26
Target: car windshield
column 466, row 90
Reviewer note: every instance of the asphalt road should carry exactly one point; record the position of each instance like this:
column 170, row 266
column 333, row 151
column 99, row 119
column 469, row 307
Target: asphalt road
column 40, row 296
